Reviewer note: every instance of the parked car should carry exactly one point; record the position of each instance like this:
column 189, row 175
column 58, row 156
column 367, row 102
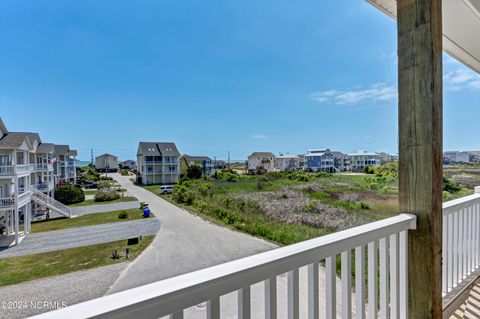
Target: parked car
column 166, row 189
column 89, row 184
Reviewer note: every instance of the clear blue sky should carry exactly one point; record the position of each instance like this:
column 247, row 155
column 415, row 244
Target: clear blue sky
column 212, row 76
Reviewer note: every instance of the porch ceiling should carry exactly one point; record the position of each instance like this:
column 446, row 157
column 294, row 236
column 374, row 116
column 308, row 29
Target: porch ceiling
column 461, row 28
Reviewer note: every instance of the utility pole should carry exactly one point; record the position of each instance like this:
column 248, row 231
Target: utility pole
column 91, row 156
column 228, row 159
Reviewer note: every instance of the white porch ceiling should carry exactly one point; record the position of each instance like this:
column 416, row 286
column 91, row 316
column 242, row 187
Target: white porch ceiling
column 461, row 28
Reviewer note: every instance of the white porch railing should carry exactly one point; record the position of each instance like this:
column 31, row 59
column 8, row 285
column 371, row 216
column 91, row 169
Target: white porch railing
column 6, row 170
column 43, row 167
column 16, row 169
column 461, row 240
column 386, row 280
column 7, row 202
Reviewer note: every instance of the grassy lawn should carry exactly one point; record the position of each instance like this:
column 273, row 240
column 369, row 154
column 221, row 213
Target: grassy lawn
column 93, row 202
column 20, row 269
column 86, row 220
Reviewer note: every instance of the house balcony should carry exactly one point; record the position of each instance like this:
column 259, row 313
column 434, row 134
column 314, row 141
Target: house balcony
column 378, row 253
column 44, row 187
column 7, row 203
column 161, row 162
column 42, row 167
column 9, row 170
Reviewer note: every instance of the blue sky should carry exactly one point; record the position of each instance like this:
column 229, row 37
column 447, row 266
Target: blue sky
column 213, row 76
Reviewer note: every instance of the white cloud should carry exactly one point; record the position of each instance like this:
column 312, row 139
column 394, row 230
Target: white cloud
column 461, row 79
column 380, row 92
column 258, row 136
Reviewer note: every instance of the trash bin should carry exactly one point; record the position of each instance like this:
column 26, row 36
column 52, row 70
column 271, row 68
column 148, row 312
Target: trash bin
column 146, row 212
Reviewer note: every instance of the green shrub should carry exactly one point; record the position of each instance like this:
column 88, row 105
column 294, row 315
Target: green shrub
column 450, row 186
column 310, row 207
column 123, row 215
column 124, row 172
column 103, row 184
column 447, row 196
column 228, row 175
column 69, row 194
column 364, row 205
column 106, row 196
column 194, row 172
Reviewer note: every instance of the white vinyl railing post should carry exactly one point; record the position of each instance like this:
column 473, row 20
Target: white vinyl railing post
column 313, row 298
column 213, row 308
column 293, row 298
column 360, row 282
column 244, row 303
column 330, row 288
column 346, row 284
column 372, row 280
column 271, row 298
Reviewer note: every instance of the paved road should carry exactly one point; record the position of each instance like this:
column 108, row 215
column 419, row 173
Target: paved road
column 82, row 236
column 89, row 209
column 184, row 243
column 64, row 288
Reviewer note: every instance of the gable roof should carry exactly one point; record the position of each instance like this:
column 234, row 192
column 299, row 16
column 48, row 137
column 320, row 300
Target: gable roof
column 34, row 136
column 72, row 153
column 61, row 149
column 46, row 148
column 157, row 149
column 268, row 154
column 3, row 128
column 105, row 155
column 197, row 158
column 168, row 149
column 14, row 140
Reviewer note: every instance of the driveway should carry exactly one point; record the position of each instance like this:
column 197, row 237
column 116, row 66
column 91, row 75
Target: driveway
column 82, row 236
column 100, row 208
column 185, row 243
column 62, row 289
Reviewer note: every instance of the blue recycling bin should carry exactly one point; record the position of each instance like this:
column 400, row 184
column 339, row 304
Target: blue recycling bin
column 146, row 212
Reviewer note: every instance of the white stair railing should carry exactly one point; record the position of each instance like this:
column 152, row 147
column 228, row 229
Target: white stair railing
column 461, row 240
column 50, row 202
column 386, row 280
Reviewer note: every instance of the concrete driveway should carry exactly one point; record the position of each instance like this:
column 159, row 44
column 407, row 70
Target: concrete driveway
column 184, row 243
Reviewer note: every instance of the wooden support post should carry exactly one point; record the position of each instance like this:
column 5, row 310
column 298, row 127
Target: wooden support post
column 420, row 149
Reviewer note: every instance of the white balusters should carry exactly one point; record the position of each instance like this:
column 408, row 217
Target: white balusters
column 360, row 282
column 213, row 308
column 346, row 284
column 293, row 297
column 330, row 288
column 313, row 298
column 372, row 280
column 271, row 298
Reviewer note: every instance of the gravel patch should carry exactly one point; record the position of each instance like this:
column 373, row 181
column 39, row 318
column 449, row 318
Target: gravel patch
column 90, row 209
column 69, row 289
column 82, row 236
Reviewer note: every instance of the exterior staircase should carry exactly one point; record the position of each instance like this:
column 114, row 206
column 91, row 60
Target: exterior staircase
column 51, row 203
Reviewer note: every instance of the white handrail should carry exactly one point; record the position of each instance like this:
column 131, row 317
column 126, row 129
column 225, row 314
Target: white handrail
column 51, row 202
column 7, row 202
column 461, row 240
column 173, row 295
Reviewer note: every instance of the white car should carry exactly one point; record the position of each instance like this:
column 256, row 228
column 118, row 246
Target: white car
column 166, row 189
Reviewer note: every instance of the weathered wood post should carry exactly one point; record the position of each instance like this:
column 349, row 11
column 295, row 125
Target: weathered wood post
column 420, row 148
